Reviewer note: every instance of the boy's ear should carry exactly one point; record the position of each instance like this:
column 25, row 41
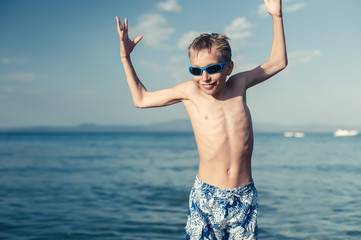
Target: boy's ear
column 229, row 68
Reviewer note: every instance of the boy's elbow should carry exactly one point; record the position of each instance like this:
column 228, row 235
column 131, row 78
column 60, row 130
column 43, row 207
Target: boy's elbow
column 277, row 65
column 139, row 104
column 139, row 101
column 142, row 103
column 282, row 64
column 285, row 63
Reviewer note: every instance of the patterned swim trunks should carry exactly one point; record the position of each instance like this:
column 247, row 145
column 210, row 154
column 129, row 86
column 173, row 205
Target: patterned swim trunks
column 216, row 213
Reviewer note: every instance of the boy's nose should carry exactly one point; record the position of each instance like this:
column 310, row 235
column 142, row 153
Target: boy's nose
column 205, row 76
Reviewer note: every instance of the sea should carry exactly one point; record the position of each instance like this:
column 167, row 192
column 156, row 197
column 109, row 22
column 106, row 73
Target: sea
column 136, row 185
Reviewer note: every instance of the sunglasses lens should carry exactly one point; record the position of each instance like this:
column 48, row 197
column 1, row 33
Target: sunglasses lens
column 195, row 71
column 214, row 69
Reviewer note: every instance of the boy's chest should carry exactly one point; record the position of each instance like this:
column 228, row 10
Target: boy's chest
column 216, row 111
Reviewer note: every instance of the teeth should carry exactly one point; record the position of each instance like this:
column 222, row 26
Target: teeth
column 208, row 86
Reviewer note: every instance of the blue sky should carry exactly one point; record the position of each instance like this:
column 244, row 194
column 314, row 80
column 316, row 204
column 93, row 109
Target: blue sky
column 59, row 60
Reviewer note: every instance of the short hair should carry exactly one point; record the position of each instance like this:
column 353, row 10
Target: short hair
column 207, row 41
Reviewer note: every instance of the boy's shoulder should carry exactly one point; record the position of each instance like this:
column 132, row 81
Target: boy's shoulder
column 187, row 86
column 188, row 89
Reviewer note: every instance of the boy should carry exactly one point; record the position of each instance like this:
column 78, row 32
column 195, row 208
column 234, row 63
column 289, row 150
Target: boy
column 223, row 201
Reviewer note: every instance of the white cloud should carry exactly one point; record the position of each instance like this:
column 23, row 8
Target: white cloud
column 293, row 7
column 238, row 30
column 7, row 90
column 19, row 76
column 173, row 69
column 242, row 64
column 154, row 28
column 302, row 57
column 187, row 39
column 169, row 6
column 19, row 61
column 177, row 59
column 238, row 24
column 6, row 60
column 262, row 10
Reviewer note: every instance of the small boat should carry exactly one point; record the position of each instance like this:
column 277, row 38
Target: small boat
column 345, row 133
column 288, row 134
column 299, row 134
column 294, row 134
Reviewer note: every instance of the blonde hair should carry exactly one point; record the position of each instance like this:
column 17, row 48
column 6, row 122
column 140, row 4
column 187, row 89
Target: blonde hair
column 207, row 41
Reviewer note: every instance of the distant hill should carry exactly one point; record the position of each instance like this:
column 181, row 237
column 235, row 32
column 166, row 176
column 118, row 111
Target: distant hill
column 174, row 126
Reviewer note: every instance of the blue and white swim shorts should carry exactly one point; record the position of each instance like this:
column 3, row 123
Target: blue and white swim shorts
column 216, row 213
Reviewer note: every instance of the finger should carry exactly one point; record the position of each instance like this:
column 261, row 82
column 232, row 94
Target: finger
column 119, row 25
column 126, row 24
column 137, row 39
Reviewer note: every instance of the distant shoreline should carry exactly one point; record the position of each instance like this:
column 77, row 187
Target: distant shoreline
column 176, row 126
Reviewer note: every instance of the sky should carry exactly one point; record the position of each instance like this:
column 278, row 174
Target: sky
column 60, row 66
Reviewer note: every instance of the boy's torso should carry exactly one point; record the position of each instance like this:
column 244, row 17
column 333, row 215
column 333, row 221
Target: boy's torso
column 224, row 136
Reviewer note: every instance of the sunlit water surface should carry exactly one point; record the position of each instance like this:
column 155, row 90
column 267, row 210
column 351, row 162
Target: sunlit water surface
column 136, row 186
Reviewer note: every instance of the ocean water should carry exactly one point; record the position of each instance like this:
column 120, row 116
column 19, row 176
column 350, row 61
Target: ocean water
column 136, row 186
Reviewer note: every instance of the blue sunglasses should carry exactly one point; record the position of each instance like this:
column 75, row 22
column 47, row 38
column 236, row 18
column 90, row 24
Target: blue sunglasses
column 211, row 69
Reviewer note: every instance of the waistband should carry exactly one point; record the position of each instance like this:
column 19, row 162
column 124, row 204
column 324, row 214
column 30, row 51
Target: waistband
column 246, row 189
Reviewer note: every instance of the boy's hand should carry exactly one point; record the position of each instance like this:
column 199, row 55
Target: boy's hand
column 274, row 7
column 126, row 45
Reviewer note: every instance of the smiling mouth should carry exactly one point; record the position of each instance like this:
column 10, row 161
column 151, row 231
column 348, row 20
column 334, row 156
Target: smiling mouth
column 209, row 86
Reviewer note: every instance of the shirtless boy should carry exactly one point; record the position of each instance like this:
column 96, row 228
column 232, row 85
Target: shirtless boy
column 223, row 201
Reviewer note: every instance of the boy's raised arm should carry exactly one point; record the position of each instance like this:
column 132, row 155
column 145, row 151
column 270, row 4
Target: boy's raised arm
column 278, row 57
column 141, row 97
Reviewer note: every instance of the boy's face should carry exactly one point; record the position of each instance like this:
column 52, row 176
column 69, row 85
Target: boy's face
column 211, row 84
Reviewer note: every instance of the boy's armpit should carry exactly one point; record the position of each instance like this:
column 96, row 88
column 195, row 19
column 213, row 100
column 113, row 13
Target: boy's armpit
column 256, row 76
column 238, row 81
